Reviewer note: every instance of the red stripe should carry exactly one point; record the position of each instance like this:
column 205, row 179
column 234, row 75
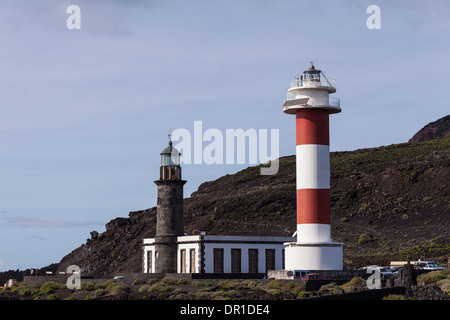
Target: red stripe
column 312, row 127
column 313, row 206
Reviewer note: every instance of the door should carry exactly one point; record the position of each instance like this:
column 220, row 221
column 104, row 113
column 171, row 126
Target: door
column 218, row 260
column 270, row 259
column 235, row 260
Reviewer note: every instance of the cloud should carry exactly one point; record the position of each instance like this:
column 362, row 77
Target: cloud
column 25, row 222
column 37, row 237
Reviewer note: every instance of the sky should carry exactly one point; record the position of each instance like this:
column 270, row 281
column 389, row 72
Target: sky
column 84, row 113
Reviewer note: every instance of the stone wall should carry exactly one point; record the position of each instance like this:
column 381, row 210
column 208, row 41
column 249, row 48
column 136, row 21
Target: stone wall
column 426, row 292
column 43, row 279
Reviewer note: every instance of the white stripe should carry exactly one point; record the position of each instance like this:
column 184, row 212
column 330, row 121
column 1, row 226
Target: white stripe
column 313, row 166
column 313, row 257
column 313, row 232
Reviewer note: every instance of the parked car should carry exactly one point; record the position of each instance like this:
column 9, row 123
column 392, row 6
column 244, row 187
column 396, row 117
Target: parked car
column 427, row 265
column 315, row 276
column 395, row 271
column 386, row 272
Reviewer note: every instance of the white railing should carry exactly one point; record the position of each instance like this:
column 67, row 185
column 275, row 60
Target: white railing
column 312, row 102
column 326, row 82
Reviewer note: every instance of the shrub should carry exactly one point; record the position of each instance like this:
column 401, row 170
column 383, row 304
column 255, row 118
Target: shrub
column 331, row 287
column 144, row 288
column 138, row 281
column 433, row 276
column 100, row 292
column 294, row 287
column 444, row 285
column 160, row 287
column 364, row 238
column 231, row 294
column 275, row 284
column 184, row 281
column 52, row 297
column 108, row 284
column 169, row 280
column 152, row 281
column 204, row 295
column 118, row 289
column 231, row 284
column 395, row 297
column 250, row 283
column 199, row 283
column 25, row 292
column 88, row 286
column 49, row 287
column 354, row 284
column 302, row 294
column 167, row 289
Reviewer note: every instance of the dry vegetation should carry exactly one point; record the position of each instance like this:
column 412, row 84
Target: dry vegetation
column 186, row 289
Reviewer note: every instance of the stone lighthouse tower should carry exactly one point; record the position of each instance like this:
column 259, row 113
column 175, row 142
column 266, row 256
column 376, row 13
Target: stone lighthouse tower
column 308, row 99
column 169, row 211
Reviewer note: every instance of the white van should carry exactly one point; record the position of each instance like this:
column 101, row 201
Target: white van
column 296, row 274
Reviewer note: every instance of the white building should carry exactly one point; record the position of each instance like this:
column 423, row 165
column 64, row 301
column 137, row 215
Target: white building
column 201, row 253
column 171, row 250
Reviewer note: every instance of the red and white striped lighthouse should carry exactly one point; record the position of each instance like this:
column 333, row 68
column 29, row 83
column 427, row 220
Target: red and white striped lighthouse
column 308, row 98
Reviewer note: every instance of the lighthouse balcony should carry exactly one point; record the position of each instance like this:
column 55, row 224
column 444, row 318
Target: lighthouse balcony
column 319, row 83
column 292, row 103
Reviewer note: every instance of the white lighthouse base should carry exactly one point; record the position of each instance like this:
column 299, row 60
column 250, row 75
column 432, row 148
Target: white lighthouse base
column 313, row 256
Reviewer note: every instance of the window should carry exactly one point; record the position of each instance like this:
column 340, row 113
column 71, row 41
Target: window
column 183, row 260
column 235, row 260
column 192, row 261
column 149, row 261
column 253, row 260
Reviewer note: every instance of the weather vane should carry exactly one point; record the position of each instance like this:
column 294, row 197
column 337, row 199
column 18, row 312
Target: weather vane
column 170, row 134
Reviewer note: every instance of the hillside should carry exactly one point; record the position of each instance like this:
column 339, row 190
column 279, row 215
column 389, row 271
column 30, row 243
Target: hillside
column 437, row 129
column 389, row 202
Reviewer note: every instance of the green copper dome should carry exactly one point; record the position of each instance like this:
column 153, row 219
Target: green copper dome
column 170, row 156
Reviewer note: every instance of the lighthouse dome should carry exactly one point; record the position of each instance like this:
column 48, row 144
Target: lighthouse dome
column 170, row 156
